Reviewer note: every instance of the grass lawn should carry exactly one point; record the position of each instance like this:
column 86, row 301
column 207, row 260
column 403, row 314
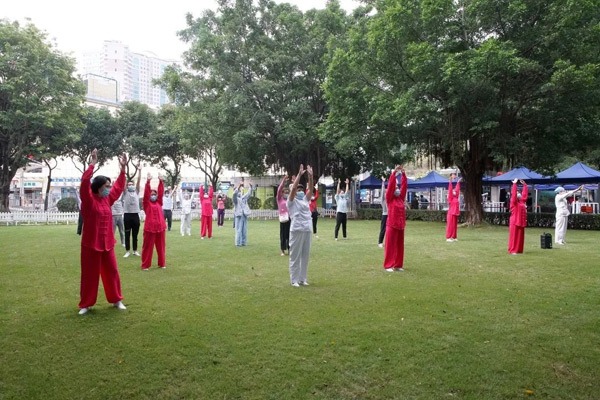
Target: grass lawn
column 464, row 321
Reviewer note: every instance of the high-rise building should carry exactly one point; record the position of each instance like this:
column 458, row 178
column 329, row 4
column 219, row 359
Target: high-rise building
column 132, row 71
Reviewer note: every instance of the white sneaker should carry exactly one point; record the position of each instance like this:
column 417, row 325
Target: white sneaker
column 304, row 283
column 389, row 270
column 127, row 254
column 162, row 267
column 135, row 253
column 123, row 244
column 380, row 245
column 399, row 269
column 449, row 240
column 84, row 310
column 295, row 284
column 120, row 305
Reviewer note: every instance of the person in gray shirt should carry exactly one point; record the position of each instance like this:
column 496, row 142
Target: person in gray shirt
column 131, row 216
column 117, row 214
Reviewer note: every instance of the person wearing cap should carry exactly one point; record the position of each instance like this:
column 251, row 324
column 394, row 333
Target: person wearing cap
column 300, row 230
column 186, row 213
column 518, row 218
column 562, row 212
column 453, row 210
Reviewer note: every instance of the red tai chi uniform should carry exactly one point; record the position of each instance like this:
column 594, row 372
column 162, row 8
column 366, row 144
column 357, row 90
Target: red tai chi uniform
column 98, row 242
column 453, row 211
column 154, row 227
column 518, row 220
column 396, row 222
column 206, row 219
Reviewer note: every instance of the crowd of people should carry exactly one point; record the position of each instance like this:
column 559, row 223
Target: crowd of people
column 106, row 206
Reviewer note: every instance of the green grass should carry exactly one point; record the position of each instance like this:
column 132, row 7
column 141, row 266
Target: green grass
column 464, row 321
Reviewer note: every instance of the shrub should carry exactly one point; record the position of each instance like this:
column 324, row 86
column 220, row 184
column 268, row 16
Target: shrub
column 254, row 203
column 270, row 203
column 67, row 204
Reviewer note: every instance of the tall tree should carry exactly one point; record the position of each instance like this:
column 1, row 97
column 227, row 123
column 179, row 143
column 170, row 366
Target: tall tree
column 39, row 95
column 266, row 62
column 136, row 122
column 100, row 132
column 164, row 147
column 474, row 83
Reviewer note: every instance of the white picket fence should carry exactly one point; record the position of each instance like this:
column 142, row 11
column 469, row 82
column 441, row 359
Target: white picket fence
column 55, row 217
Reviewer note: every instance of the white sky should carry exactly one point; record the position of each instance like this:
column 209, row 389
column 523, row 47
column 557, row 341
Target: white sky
column 77, row 26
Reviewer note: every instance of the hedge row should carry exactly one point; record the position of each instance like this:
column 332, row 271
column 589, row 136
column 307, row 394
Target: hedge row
column 540, row 220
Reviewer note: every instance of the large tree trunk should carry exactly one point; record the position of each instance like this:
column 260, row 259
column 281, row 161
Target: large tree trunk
column 472, row 196
column 4, row 197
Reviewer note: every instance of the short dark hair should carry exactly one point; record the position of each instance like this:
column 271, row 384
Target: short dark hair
column 98, row 182
column 300, row 187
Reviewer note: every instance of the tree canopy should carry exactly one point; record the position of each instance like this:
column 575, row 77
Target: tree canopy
column 40, row 99
column 264, row 63
column 478, row 84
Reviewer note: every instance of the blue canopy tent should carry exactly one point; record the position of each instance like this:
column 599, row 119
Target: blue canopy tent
column 370, row 183
column 530, row 177
column 429, row 181
column 578, row 173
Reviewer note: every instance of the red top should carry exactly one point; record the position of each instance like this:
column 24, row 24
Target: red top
column 207, row 209
column 155, row 219
column 97, row 216
column 313, row 201
column 396, row 209
column 518, row 207
column 453, row 199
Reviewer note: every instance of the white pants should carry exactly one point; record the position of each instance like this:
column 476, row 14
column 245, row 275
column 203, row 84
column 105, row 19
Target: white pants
column 186, row 224
column 561, row 228
column 299, row 253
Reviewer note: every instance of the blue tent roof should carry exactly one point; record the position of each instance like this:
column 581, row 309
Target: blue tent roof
column 578, row 173
column 370, row 183
column 529, row 176
column 431, row 180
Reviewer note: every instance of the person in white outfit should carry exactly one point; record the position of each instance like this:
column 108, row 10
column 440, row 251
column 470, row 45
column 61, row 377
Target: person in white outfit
column 301, row 227
column 186, row 212
column 562, row 212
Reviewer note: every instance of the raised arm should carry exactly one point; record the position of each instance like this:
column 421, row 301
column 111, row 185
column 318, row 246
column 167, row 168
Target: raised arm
column 139, row 178
column 310, row 185
column 117, row 188
column 280, row 187
column 161, row 191
column 147, row 190
column 292, row 195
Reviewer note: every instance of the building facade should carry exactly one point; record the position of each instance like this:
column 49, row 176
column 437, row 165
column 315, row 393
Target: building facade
column 132, row 72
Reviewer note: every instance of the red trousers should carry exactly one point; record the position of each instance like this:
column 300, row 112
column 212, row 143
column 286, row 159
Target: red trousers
column 151, row 240
column 451, row 226
column 516, row 239
column 394, row 248
column 206, row 226
column 95, row 265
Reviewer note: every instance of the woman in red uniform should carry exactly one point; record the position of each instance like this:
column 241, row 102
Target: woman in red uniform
column 453, row 210
column 518, row 218
column 97, row 240
column 206, row 216
column 396, row 221
column 154, row 225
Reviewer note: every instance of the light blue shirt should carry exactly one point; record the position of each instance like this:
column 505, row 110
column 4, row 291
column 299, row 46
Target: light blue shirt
column 341, row 201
